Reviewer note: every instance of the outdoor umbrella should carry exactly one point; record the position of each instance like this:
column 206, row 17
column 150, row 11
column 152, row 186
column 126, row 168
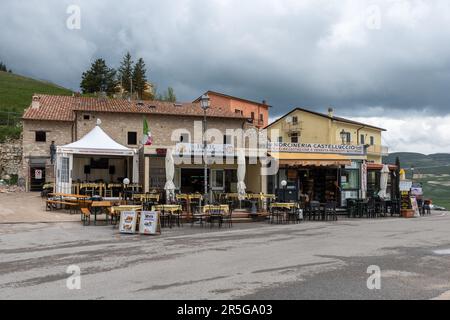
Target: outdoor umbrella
column 170, row 171
column 241, row 175
column 383, row 181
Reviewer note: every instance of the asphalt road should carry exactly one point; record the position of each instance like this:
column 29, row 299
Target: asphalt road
column 313, row 260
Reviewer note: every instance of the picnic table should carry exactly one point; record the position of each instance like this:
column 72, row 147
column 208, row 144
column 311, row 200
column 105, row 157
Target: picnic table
column 98, row 206
column 64, row 199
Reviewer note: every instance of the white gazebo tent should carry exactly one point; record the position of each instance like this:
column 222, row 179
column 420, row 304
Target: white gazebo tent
column 94, row 144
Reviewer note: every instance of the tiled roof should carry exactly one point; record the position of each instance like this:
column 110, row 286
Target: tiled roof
column 61, row 108
column 333, row 118
column 209, row 92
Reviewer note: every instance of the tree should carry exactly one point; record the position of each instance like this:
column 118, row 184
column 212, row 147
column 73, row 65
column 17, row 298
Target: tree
column 126, row 72
column 169, row 95
column 139, row 77
column 3, row 67
column 99, row 78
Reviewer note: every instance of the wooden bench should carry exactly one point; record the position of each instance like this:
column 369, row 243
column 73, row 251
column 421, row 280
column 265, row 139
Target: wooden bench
column 72, row 206
column 85, row 216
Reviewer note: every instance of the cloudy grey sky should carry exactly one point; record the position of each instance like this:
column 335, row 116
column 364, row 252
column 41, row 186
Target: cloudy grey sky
column 386, row 62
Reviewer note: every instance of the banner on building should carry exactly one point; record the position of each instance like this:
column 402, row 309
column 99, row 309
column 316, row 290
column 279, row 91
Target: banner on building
column 197, row 149
column 316, row 148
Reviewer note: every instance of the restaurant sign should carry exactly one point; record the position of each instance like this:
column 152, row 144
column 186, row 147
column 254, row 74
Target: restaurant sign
column 197, row 149
column 317, row 148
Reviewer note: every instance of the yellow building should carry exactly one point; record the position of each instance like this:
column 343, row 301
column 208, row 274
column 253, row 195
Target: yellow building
column 305, row 126
column 323, row 157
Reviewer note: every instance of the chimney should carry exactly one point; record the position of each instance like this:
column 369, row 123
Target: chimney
column 330, row 112
column 264, row 102
column 35, row 102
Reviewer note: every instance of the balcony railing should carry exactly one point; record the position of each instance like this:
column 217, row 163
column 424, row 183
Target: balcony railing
column 292, row 127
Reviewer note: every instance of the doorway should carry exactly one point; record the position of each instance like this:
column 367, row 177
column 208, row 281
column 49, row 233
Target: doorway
column 37, row 178
column 192, row 180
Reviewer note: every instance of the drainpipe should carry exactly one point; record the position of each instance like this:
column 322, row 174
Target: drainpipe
column 357, row 134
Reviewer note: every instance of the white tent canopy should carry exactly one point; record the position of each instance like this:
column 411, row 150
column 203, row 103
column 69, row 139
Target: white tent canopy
column 96, row 142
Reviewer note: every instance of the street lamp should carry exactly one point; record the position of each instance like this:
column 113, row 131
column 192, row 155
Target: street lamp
column 343, row 136
column 205, row 103
column 284, row 185
column 125, row 182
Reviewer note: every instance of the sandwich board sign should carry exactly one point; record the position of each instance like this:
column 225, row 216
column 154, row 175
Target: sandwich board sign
column 149, row 223
column 128, row 222
column 415, row 207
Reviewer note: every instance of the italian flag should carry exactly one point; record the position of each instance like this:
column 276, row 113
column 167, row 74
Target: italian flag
column 147, row 139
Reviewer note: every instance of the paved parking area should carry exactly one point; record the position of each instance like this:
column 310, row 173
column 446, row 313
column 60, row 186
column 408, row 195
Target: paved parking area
column 307, row 261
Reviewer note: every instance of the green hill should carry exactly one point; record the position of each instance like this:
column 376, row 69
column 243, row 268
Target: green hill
column 15, row 95
column 432, row 171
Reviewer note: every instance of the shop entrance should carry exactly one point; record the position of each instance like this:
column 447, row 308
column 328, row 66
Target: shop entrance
column 37, row 178
column 192, row 180
column 307, row 184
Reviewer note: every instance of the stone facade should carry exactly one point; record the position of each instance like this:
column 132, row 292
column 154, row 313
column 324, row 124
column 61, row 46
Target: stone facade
column 117, row 126
column 38, row 153
column 10, row 157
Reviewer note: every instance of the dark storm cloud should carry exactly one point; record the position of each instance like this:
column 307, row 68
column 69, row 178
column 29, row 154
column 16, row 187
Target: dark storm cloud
column 361, row 57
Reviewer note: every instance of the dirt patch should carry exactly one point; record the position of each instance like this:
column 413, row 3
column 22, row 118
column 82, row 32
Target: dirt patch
column 29, row 207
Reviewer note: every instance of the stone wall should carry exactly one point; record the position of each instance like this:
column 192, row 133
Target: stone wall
column 10, row 157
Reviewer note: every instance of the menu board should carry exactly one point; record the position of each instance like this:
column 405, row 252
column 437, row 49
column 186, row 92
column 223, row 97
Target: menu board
column 149, row 223
column 128, row 222
column 415, row 206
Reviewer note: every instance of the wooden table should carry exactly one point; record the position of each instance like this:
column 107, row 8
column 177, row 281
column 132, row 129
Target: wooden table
column 167, row 207
column 121, row 208
column 281, row 205
column 69, row 195
column 97, row 206
column 223, row 207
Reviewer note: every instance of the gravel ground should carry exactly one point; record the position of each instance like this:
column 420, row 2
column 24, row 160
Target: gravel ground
column 313, row 260
column 19, row 207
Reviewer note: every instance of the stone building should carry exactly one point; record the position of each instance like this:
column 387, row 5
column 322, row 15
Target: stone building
column 64, row 119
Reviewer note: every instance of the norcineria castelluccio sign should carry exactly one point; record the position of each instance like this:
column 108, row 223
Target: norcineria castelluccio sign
column 317, row 148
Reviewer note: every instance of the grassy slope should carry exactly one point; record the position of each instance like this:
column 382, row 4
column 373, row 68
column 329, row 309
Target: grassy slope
column 436, row 167
column 15, row 95
column 16, row 91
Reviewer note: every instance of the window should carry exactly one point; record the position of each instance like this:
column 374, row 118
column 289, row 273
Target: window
column 132, row 138
column 362, row 139
column 294, row 120
column 294, row 138
column 217, row 179
column 349, row 179
column 40, row 136
column 65, row 170
column 280, row 139
column 372, row 141
column 253, row 115
column 184, row 138
column 227, row 139
column 238, row 111
column 86, row 117
column 261, row 117
column 348, row 138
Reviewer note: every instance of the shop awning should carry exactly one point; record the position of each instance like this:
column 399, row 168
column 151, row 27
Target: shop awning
column 377, row 166
column 311, row 159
